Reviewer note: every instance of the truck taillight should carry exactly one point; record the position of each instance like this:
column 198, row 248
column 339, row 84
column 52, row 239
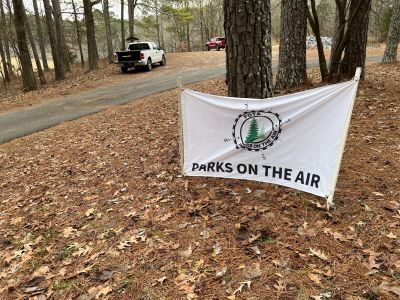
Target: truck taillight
column 115, row 57
column 141, row 55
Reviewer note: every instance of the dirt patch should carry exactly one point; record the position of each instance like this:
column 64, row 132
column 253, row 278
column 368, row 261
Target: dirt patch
column 97, row 208
column 80, row 80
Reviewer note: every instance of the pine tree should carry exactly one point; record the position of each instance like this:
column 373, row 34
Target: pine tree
column 253, row 132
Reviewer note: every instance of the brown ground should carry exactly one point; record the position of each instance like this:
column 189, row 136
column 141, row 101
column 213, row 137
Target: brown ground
column 96, row 209
column 80, row 80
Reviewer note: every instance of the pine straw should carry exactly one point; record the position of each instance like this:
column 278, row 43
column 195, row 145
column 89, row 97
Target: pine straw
column 124, row 161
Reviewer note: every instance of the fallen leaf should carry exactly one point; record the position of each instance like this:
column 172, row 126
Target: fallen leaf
column 252, row 271
column 391, row 235
column 319, row 254
column 186, row 253
column 390, row 287
column 314, row 278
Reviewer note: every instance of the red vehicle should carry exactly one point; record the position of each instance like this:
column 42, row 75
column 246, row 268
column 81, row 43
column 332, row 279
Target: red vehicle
column 216, row 43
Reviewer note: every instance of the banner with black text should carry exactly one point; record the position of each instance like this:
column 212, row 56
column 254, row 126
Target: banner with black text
column 293, row 140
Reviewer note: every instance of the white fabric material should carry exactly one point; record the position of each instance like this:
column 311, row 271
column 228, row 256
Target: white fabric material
column 293, row 140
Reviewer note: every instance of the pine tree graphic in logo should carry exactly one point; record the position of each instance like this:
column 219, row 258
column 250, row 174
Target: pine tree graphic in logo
column 253, row 132
column 256, row 130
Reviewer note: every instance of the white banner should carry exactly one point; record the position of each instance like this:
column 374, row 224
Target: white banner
column 294, row 140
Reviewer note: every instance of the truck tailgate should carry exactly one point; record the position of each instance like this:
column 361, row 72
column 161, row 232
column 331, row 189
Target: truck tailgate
column 128, row 55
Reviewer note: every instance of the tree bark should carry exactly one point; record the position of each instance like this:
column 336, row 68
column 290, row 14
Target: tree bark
column 78, row 34
column 93, row 55
column 4, row 59
column 292, row 50
column 314, row 23
column 130, row 18
column 6, row 39
column 61, row 43
column 28, row 77
column 42, row 78
column 40, row 36
column 107, row 28
column 58, row 65
column 356, row 47
column 248, row 48
column 390, row 55
column 122, row 27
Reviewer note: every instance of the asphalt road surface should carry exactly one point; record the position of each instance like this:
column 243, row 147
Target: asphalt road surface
column 26, row 121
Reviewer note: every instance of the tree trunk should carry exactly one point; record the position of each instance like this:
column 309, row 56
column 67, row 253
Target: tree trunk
column 122, row 27
column 4, row 59
column 6, row 39
column 93, row 55
column 61, row 43
column 107, row 28
column 28, row 77
column 248, row 48
column 40, row 36
column 158, row 24
column 78, row 34
column 314, row 23
column 42, row 78
column 340, row 40
column 292, row 49
column 130, row 17
column 393, row 36
column 355, row 52
column 58, row 65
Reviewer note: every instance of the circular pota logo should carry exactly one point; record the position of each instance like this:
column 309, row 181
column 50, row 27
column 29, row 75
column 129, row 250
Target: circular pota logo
column 256, row 130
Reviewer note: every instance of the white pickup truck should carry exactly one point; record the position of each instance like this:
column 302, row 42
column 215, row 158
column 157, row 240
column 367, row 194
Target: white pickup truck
column 140, row 55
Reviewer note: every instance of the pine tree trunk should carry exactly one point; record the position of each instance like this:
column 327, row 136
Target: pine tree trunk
column 28, row 77
column 40, row 36
column 107, row 28
column 4, row 59
column 78, row 34
column 130, row 17
column 93, row 55
column 292, row 49
column 6, row 39
column 122, row 27
column 58, row 65
column 356, row 48
column 42, row 78
column 60, row 36
column 393, row 38
column 314, row 23
column 248, row 48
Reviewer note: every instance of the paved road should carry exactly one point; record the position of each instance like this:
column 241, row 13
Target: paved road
column 26, row 121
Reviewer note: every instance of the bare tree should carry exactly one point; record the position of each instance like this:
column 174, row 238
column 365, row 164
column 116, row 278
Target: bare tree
column 93, row 55
column 122, row 26
column 107, row 28
column 60, row 36
column 393, row 36
column 5, row 73
column 314, row 23
column 42, row 78
column 57, row 60
column 248, row 48
column 5, row 36
column 78, row 33
column 28, row 77
column 292, row 49
column 40, row 36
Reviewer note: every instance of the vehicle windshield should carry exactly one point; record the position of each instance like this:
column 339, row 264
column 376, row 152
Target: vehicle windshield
column 139, row 46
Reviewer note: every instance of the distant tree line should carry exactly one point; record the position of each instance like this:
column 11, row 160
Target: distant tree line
column 56, row 33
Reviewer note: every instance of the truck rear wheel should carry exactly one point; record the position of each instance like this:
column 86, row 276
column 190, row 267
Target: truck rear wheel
column 163, row 61
column 124, row 69
column 149, row 65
